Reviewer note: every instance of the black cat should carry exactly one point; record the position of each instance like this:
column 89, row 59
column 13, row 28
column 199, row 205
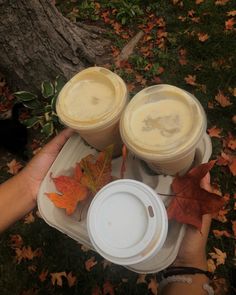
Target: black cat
column 13, row 134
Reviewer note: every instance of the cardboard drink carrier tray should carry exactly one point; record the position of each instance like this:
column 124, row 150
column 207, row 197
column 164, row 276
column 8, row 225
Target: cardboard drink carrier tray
column 75, row 225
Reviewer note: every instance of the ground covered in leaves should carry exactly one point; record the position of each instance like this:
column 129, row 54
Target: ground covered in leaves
column 190, row 44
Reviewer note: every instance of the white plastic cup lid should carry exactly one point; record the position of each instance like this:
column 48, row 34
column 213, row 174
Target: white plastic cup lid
column 127, row 222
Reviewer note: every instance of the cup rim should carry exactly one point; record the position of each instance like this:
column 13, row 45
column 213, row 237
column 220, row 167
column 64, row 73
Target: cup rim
column 121, row 94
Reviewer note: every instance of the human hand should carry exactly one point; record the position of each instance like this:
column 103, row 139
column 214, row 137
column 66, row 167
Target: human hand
column 37, row 168
column 192, row 250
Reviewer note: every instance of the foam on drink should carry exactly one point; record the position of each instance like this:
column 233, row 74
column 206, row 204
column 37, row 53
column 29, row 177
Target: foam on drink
column 91, row 103
column 163, row 124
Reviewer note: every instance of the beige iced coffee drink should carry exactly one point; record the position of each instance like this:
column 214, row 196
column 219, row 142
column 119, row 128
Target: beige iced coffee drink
column 162, row 125
column 91, row 103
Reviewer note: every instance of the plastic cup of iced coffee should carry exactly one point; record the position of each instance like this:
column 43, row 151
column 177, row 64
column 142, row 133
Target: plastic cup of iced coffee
column 162, row 126
column 127, row 222
column 91, row 103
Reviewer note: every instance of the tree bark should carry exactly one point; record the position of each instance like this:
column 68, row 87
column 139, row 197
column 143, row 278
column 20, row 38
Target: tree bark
column 38, row 43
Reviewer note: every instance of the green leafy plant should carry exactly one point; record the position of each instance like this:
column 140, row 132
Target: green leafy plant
column 42, row 107
column 126, row 10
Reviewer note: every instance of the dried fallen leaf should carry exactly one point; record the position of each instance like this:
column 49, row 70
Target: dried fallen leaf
column 14, row 167
column 234, row 119
column 222, row 99
column 191, row 80
column 219, row 256
column 182, row 56
column 97, row 171
column 191, row 201
column 232, row 144
column 43, row 275
column 221, row 2
column 141, row 279
column 211, row 265
column 214, row 132
column 26, row 253
column 221, row 216
column 202, row 37
column 153, row 286
column 232, row 165
column 231, row 13
column 229, row 24
column 72, row 192
column 221, row 233
column 29, row 218
column 90, row 263
column 16, row 241
column 71, row 279
column 56, row 278
column 108, row 288
column 199, row 1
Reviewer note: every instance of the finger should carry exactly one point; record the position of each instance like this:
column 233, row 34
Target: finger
column 56, row 144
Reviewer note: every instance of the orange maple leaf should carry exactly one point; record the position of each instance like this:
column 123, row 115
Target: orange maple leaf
column 191, row 80
column 221, row 216
column 14, row 167
column 56, row 278
column 191, row 201
column 211, row 265
column 26, row 253
column 222, row 99
column 29, row 218
column 202, row 37
column 214, row 132
column 97, row 172
column 72, row 192
column 231, row 13
column 229, row 24
column 219, row 256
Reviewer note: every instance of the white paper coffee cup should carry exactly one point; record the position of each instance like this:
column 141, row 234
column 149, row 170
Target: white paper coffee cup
column 91, row 103
column 127, row 222
column 162, row 125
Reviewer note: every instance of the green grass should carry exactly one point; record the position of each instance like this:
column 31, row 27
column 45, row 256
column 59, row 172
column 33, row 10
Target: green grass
column 213, row 63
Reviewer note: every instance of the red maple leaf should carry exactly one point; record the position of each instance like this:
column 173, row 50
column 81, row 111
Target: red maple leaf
column 191, row 201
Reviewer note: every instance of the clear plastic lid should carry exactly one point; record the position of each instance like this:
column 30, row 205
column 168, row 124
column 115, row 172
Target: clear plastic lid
column 162, row 120
column 93, row 97
column 127, row 222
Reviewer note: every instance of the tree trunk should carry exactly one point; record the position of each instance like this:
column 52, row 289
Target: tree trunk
column 38, row 43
